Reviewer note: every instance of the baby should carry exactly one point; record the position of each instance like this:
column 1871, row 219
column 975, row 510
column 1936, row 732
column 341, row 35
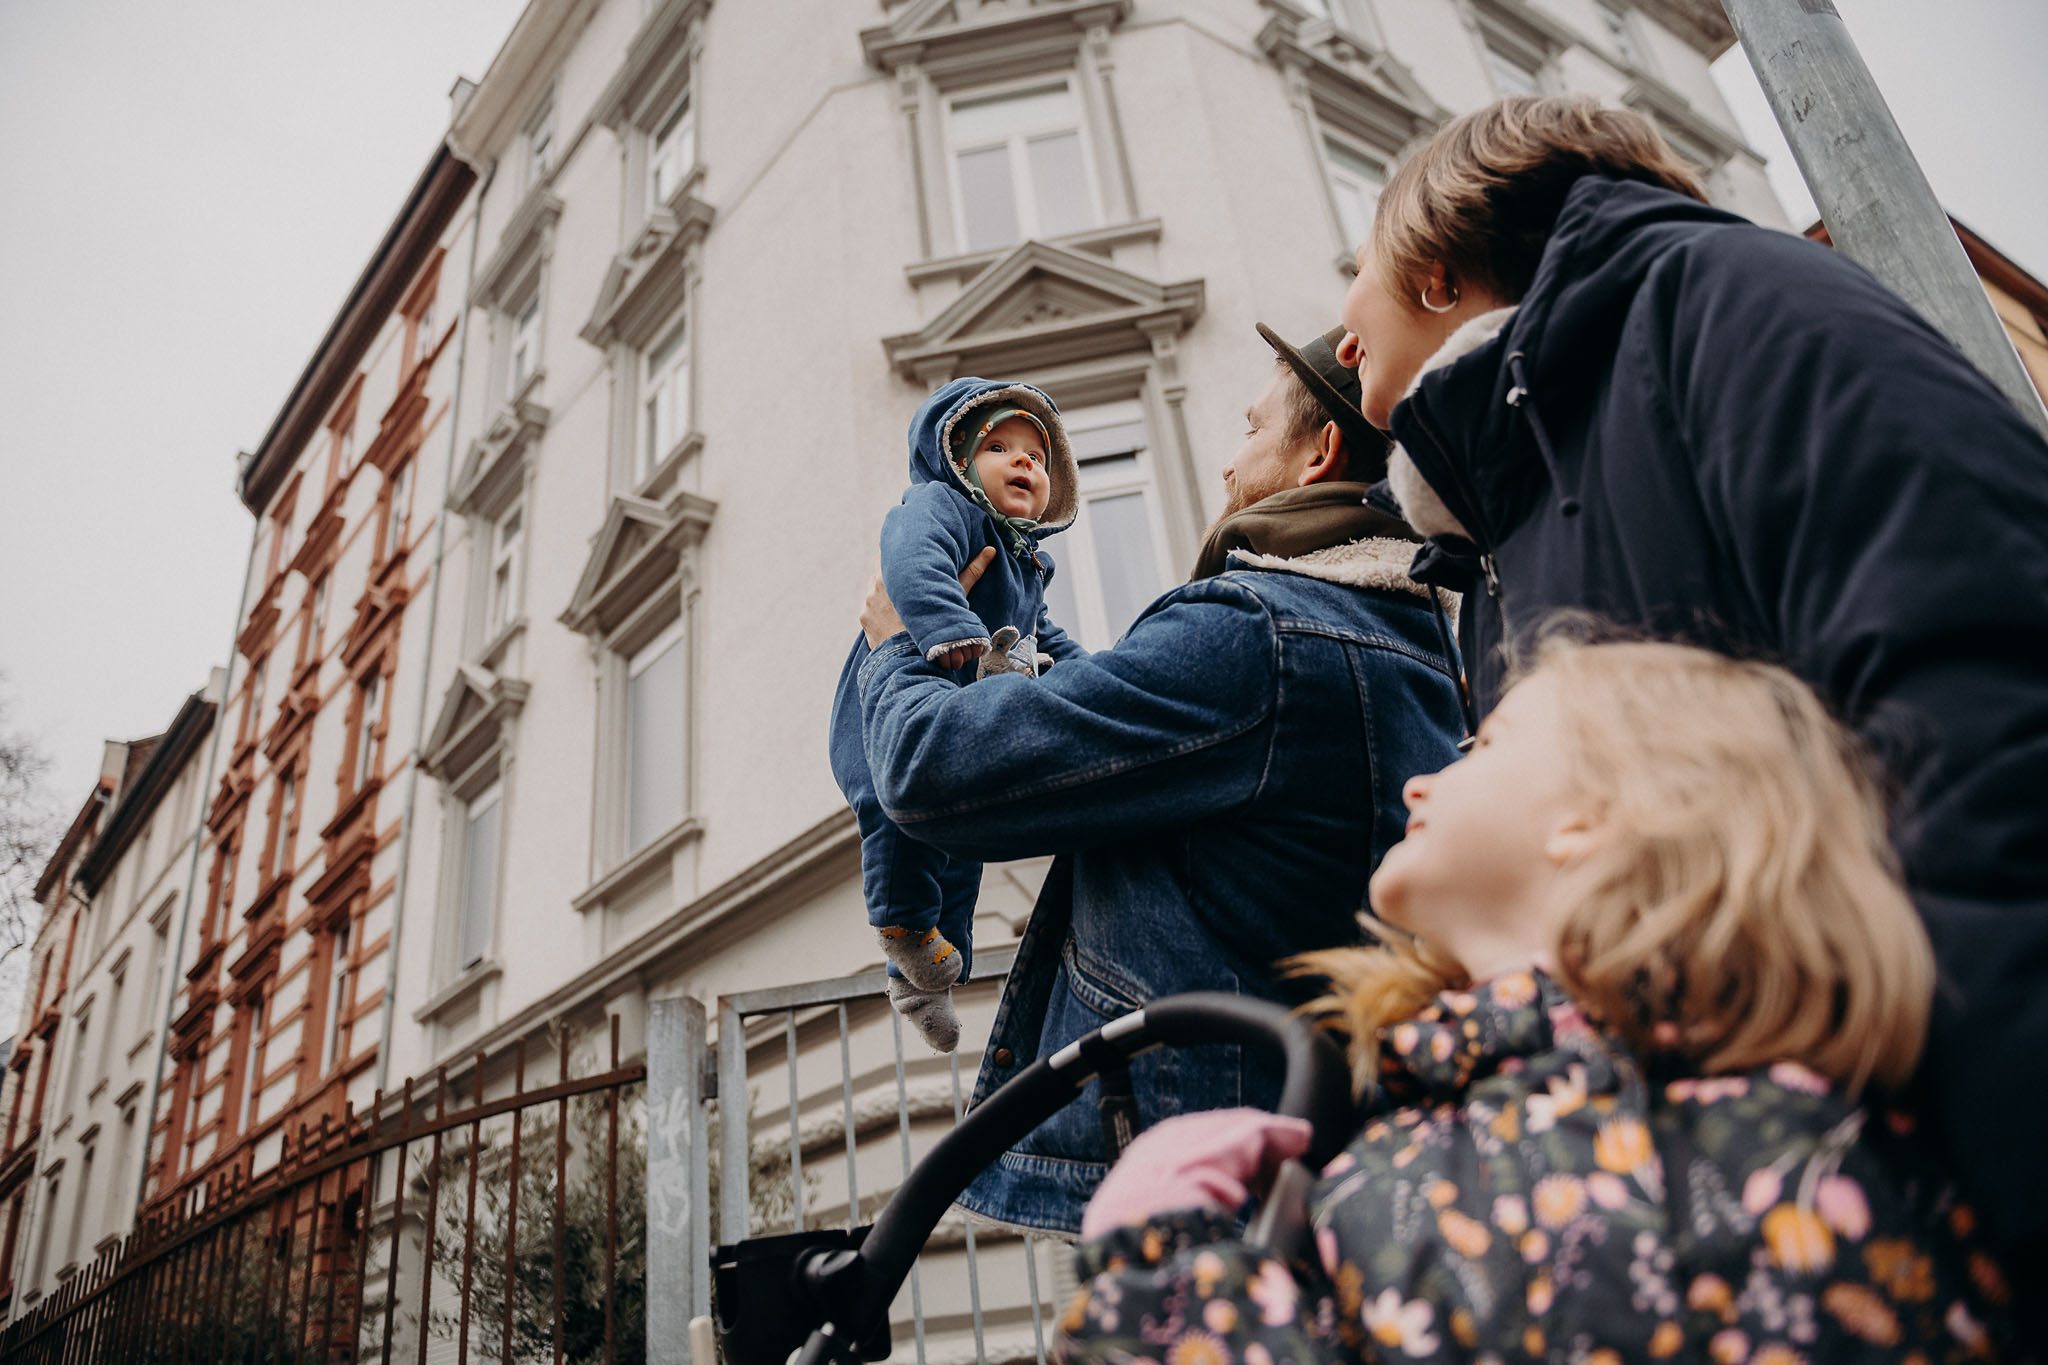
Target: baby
column 989, row 466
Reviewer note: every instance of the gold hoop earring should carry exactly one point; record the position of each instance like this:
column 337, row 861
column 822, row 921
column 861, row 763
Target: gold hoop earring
column 1450, row 293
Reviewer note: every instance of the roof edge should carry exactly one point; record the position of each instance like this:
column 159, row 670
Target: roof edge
column 193, row 721
column 412, row 235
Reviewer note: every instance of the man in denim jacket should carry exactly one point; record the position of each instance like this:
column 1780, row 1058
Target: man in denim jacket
column 1217, row 787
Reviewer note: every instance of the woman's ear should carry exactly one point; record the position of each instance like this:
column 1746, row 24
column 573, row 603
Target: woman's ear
column 1570, row 840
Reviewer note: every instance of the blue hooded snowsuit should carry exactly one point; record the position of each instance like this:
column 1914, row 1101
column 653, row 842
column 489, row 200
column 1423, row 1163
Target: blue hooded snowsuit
column 927, row 539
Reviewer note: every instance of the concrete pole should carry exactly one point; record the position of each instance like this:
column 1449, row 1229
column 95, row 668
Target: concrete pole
column 1877, row 205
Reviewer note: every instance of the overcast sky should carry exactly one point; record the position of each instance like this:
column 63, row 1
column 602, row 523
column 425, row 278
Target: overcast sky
column 191, row 188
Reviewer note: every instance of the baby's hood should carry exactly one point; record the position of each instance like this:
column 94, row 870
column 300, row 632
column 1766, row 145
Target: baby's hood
column 931, row 433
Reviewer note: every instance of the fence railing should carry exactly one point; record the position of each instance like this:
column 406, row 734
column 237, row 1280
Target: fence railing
column 518, row 1213
column 825, row 1106
column 436, row 1225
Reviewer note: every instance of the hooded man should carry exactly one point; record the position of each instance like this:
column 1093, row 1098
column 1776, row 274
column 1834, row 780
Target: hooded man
column 1217, row 787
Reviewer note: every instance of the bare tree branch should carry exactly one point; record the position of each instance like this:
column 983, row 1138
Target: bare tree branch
column 28, row 832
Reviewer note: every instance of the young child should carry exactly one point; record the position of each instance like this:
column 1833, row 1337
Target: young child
column 1642, row 949
column 989, row 466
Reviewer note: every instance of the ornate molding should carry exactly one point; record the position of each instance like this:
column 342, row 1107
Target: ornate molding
column 656, row 70
column 491, row 470
column 1364, row 91
column 527, row 239
column 1000, row 39
column 639, row 550
column 648, row 281
column 474, row 713
column 1040, row 303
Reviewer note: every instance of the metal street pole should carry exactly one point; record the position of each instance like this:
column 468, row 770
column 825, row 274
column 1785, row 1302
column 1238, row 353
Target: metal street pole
column 1877, row 204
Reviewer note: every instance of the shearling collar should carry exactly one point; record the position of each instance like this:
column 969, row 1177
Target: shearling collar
column 1372, row 562
column 1421, row 504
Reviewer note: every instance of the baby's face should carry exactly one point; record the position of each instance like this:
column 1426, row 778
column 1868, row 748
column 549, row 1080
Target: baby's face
column 1011, row 463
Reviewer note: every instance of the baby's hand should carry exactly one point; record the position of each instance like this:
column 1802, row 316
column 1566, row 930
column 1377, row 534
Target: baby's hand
column 958, row 656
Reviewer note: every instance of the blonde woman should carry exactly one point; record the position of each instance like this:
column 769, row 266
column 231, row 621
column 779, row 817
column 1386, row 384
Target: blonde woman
column 1646, row 954
column 1613, row 396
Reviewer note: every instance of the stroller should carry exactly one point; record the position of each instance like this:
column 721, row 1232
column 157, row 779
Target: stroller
column 824, row 1295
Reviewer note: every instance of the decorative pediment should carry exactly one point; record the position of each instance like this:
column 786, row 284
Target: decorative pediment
column 969, row 39
column 656, row 69
column 376, row 609
column 527, row 238
column 1693, row 135
column 1041, row 303
column 474, row 713
column 491, row 470
column 638, row 551
column 646, row 282
column 1361, row 89
column 316, row 551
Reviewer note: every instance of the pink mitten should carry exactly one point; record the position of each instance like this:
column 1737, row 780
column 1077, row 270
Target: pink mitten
column 1212, row 1160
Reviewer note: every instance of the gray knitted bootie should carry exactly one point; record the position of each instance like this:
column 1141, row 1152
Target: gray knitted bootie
column 926, row 958
column 930, row 1012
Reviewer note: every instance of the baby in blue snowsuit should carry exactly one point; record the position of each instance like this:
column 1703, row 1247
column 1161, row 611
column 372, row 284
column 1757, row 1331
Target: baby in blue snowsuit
column 989, row 465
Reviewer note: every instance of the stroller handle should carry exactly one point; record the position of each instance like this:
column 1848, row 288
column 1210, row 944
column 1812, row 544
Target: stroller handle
column 1317, row 1088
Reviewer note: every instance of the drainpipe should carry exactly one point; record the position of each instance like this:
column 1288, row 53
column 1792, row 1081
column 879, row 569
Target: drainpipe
column 177, row 970
column 419, row 732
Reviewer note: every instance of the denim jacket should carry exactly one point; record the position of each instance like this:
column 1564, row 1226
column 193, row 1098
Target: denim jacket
column 1219, row 787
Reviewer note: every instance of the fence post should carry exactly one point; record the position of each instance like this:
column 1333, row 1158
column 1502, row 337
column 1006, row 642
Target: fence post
column 1871, row 193
column 678, row 1179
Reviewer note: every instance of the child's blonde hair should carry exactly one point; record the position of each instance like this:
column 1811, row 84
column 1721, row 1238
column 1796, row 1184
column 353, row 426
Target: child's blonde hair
column 1740, row 903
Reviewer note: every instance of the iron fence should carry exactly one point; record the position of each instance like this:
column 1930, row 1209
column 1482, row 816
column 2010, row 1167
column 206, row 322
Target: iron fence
column 436, row 1225
column 825, row 1107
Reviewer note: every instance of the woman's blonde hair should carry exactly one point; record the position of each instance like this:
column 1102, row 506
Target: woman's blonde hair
column 1740, row 902
column 1483, row 195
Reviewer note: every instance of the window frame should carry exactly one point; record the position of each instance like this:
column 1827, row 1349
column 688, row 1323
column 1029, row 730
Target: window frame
column 506, row 570
column 339, row 984
column 680, row 113
column 1030, row 224
column 665, row 366
column 490, row 799
column 523, row 343
column 1336, row 144
column 1075, row 550
column 634, row 665
column 365, row 756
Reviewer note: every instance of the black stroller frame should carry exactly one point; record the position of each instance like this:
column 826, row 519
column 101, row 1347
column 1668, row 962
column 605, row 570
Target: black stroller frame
column 825, row 1295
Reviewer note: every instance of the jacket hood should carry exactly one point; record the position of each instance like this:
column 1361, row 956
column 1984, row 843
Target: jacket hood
column 1472, row 460
column 931, row 433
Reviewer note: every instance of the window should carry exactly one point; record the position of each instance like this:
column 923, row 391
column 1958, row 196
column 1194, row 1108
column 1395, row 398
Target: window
column 666, row 399
column 115, row 991
column 51, row 1189
column 338, row 973
column 1113, row 561
column 1614, row 18
column 1356, row 180
column 73, row 1238
column 119, row 1191
column 508, row 541
column 371, row 720
column 526, row 342
column 1345, row 14
column 537, row 144
column 399, row 511
column 479, row 879
column 654, row 739
column 316, row 618
column 78, row 1059
column 672, row 154
column 423, row 332
column 159, row 963
column 252, row 718
column 244, row 1106
column 287, row 546
column 1517, row 68
column 1019, row 167
column 284, row 806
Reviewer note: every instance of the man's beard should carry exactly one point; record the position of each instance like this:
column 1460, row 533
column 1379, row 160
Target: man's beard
column 1239, row 497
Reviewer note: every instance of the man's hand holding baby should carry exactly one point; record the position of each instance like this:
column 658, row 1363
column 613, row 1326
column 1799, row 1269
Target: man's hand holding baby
column 878, row 618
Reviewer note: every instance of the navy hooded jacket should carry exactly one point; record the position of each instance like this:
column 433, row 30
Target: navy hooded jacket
column 1712, row 431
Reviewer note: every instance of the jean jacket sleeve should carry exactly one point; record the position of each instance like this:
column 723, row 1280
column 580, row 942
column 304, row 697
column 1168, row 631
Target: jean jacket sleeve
column 1173, row 724
column 927, row 539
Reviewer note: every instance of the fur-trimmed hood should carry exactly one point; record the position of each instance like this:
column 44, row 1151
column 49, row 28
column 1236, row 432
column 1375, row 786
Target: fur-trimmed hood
column 931, row 438
column 1421, row 504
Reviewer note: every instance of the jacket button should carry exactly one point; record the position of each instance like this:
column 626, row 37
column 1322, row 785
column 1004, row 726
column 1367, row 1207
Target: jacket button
column 1004, row 1056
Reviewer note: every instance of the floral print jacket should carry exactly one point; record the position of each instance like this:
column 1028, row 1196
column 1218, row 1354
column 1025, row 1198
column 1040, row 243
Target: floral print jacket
column 1525, row 1191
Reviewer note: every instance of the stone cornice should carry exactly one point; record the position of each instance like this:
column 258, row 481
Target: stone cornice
column 490, row 470
column 656, row 67
column 924, row 35
column 521, row 246
column 638, row 549
column 1038, row 302
column 473, row 717
column 1661, row 102
column 646, row 282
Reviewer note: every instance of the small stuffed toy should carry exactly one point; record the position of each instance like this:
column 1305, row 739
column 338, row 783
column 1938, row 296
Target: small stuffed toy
column 1004, row 656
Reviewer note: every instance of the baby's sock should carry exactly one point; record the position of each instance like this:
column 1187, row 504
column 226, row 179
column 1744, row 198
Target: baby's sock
column 926, row 959
column 930, row 1012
